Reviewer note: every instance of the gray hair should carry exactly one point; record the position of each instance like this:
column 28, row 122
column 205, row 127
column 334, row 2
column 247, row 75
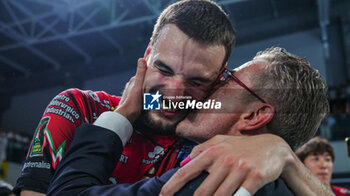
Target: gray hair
column 297, row 92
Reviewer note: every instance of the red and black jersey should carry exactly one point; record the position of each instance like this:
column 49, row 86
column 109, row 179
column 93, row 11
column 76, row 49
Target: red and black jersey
column 143, row 156
column 340, row 191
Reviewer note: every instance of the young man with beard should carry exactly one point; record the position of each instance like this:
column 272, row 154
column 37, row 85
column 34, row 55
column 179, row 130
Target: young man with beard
column 249, row 115
column 192, row 40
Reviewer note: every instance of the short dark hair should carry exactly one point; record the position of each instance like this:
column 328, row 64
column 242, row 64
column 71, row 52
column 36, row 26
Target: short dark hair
column 297, row 92
column 315, row 146
column 202, row 20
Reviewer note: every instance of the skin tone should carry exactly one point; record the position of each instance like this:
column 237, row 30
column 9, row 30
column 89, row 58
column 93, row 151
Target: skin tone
column 321, row 165
column 238, row 160
column 235, row 161
column 238, row 118
column 178, row 66
column 31, row 193
column 233, row 118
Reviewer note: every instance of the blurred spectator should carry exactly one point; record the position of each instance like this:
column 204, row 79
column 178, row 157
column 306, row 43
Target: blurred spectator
column 13, row 146
column 340, row 113
column 318, row 156
column 3, row 145
column 325, row 127
column 342, row 126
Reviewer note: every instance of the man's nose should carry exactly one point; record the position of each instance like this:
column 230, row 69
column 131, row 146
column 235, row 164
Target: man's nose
column 176, row 87
column 323, row 164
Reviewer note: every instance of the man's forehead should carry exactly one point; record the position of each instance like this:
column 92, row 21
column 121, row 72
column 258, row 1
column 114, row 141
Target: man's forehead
column 242, row 66
column 261, row 62
column 264, row 56
column 187, row 55
column 173, row 31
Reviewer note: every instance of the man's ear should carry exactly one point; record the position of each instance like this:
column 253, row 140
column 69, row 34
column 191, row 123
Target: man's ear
column 148, row 51
column 256, row 120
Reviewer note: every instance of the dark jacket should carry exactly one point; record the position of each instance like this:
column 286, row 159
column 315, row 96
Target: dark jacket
column 91, row 158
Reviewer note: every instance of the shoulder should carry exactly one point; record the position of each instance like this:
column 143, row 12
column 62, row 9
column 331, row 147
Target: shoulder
column 93, row 97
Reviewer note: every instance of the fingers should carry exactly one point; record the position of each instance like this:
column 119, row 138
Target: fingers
column 234, row 162
column 130, row 105
column 205, row 145
column 135, row 81
column 176, row 182
column 212, row 181
column 140, row 72
column 253, row 182
column 125, row 91
column 226, row 178
column 226, row 175
column 184, row 175
column 231, row 183
column 242, row 192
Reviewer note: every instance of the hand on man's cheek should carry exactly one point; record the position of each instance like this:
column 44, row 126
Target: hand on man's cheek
column 131, row 103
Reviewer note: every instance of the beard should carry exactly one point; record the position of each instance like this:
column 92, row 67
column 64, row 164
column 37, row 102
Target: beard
column 146, row 123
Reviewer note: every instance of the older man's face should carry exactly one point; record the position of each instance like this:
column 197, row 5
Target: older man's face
column 202, row 125
column 179, row 66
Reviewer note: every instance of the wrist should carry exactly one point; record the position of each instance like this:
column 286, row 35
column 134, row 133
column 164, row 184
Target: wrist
column 127, row 114
column 291, row 165
column 117, row 123
column 288, row 156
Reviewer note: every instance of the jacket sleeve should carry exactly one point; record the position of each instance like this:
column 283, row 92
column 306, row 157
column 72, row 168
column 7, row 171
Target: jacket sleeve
column 88, row 163
column 275, row 188
column 91, row 158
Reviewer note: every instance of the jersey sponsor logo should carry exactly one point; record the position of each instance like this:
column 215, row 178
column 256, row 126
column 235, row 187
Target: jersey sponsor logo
column 66, row 107
column 56, row 154
column 105, row 103
column 123, row 159
column 63, row 98
column 40, row 165
column 58, row 107
column 37, row 143
column 157, row 152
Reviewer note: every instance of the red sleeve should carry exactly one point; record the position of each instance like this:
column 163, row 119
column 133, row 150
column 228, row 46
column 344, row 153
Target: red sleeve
column 54, row 133
column 340, row 191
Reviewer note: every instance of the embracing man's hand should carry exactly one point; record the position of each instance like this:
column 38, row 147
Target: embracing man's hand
column 233, row 162
column 130, row 105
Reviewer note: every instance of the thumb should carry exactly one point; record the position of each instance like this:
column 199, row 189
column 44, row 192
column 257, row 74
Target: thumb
column 141, row 72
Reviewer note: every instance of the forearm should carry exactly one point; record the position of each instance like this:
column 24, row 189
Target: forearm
column 89, row 162
column 302, row 181
column 31, row 193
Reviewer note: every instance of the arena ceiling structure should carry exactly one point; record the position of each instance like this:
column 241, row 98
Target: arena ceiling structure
column 66, row 42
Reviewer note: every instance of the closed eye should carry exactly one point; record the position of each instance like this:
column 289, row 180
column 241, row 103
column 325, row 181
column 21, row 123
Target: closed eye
column 163, row 68
column 197, row 81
